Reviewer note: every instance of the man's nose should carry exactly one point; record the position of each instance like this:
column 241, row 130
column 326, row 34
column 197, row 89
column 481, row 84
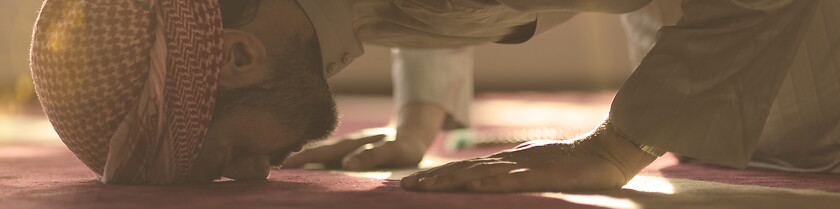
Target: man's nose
column 248, row 168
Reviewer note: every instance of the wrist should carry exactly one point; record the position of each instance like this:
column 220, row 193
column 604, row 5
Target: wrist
column 419, row 122
column 622, row 152
column 651, row 150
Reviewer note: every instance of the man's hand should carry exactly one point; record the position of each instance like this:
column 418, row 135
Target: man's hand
column 602, row 160
column 366, row 149
column 417, row 126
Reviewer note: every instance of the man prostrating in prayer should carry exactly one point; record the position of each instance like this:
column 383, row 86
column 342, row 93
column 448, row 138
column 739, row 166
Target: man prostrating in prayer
column 163, row 92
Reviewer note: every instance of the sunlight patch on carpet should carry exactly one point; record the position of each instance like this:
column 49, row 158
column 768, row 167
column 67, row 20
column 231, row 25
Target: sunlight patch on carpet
column 593, row 200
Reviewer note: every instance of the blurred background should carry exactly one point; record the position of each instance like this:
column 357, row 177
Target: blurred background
column 16, row 20
column 588, row 53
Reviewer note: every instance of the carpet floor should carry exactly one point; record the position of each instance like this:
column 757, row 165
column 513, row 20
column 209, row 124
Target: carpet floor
column 47, row 175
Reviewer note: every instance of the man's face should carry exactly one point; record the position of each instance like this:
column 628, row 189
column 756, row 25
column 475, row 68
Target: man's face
column 242, row 144
column 273, row 97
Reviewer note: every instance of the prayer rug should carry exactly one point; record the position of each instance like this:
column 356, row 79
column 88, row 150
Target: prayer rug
column 47, row 175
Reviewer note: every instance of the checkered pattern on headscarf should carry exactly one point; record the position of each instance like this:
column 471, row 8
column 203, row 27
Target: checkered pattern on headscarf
column 91, row 61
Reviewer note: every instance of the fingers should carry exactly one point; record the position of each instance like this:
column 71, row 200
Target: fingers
column 451, row 167
column 412, row 182
column 329, row 154
column 579, row 178
column 533, row 143
column 500, row 177
column 514, row 181
column 456, row 176
column 536, row 166
column 459, row 180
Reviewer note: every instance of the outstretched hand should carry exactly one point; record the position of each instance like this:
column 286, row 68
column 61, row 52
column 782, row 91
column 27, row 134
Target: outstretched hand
column 363, row 150
column 596, row 162
column 417, row 127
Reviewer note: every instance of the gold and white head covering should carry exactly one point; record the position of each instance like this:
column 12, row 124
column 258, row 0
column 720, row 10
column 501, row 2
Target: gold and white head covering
column 129, row 85
column 333, row 23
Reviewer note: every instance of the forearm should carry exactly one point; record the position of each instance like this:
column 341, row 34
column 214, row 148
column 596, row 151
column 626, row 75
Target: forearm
column 419, row 123
column 624, row 153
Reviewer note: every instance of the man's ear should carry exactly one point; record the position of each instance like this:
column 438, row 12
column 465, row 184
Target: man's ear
column 245, row 60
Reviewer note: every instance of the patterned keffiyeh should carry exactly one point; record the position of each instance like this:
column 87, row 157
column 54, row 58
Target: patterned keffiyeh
column 129, row 85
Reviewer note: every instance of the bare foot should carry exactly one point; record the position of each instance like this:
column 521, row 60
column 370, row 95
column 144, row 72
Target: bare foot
column 602, row 160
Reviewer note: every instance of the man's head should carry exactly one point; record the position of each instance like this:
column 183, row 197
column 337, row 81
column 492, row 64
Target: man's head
column 273, row 96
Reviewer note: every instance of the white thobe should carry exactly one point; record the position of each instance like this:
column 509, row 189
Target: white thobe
column 706, row 88
column 432, row 58
column 794, row 138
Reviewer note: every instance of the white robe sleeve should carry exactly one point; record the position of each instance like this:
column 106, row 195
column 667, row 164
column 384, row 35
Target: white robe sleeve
column 441, row 77
column 706, row 88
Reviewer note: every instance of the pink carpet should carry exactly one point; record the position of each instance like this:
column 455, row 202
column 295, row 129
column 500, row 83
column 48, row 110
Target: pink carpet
column 49, row 176
column 756, row 177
